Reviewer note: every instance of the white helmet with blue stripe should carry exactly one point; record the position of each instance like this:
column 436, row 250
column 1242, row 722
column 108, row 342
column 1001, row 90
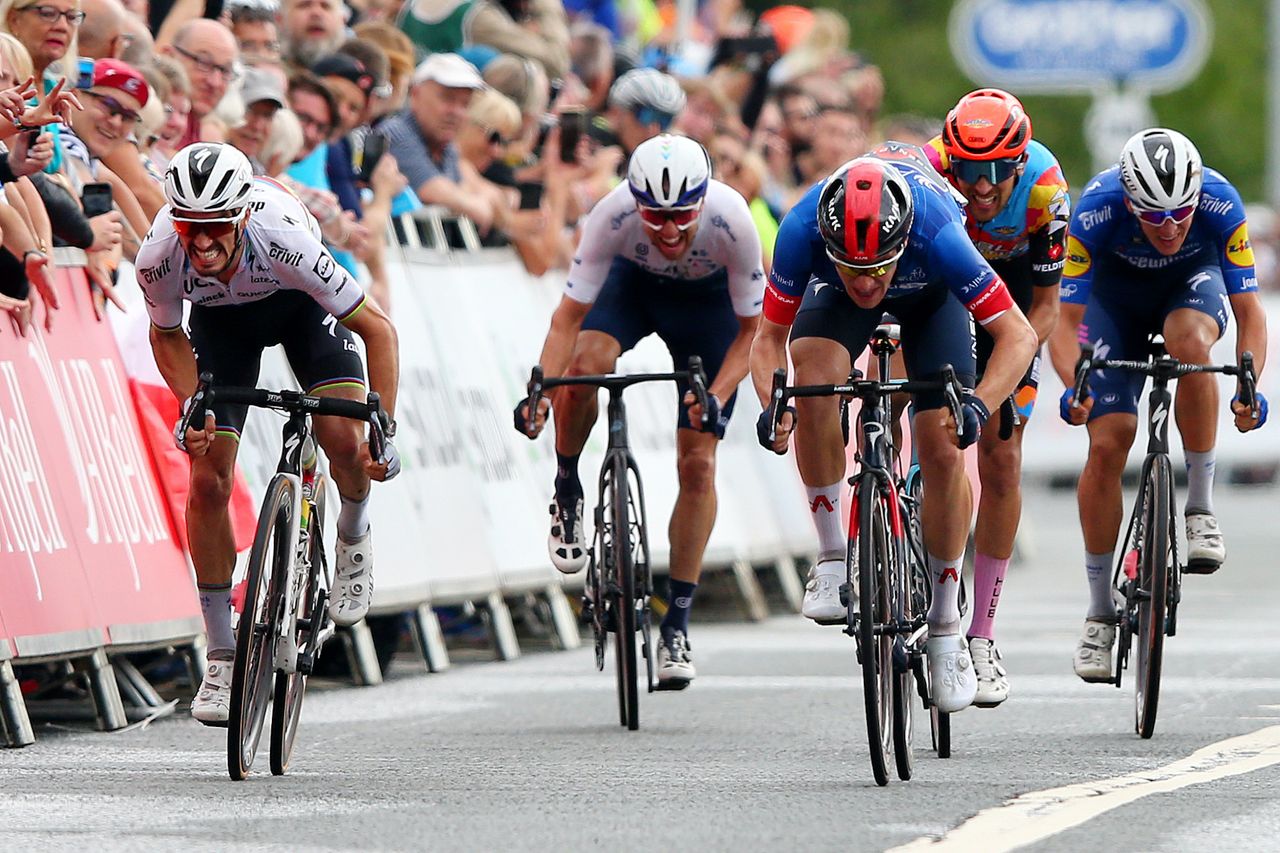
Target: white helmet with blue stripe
column 669, row 171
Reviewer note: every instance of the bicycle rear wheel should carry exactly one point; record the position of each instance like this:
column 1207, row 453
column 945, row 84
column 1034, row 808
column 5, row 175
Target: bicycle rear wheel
column 1154, row 567
column 875, row 645
column 269, row 562
column 623, row 590
column 286, row 707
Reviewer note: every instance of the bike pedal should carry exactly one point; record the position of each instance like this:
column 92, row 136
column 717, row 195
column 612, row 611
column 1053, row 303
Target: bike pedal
column 1201, row 567
column 673, row 684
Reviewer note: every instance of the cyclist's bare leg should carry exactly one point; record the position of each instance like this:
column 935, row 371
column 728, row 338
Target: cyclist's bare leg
column 1188, row 336
column 691, row 521
column 1102, row 504
column 213, row 549
column 343, row 442
column 945, row 516
column 820, row 452
column 576, row 406
column 1000, row 504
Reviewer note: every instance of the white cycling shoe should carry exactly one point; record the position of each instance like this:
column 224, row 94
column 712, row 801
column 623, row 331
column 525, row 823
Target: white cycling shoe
column 675, row 663
column 951, row 676
column 353, row 581
column 567, row 551
column 1093, row 651
column 993, row 681
column 1205, row 547
column 822, row 593
column 212, row 703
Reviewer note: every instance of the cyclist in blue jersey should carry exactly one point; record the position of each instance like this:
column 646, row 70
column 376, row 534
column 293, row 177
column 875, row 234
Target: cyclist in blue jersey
column 1157, row 244
column 1016, row 215
column 884, row 233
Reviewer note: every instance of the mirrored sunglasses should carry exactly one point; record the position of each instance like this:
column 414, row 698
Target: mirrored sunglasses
column 215, row 228
column 875, row 272
column 995, row 171
column 1157, row 217
column 684, row 218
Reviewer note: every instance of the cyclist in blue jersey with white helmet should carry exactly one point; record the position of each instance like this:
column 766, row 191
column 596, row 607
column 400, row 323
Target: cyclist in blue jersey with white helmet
column 1157, row 244
column 1016, row 215
column 884, row 233
column 673, row 252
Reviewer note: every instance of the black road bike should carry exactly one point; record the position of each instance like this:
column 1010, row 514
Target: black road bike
column 1148, row 574
column 887, row 590
column 619, row 583
column 284, row 617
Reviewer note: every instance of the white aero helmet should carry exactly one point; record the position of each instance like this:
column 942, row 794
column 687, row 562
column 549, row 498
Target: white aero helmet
column 208, row 177
column 652, row 95
column 669, row 171
column 1160, row 170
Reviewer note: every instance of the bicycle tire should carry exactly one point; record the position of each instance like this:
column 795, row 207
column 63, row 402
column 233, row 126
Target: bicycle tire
column 269, row 560
column 643, row 576
column 625, row 601
column 904, row 610
column 286, row 705
column 1153, row 576
column 873, row 612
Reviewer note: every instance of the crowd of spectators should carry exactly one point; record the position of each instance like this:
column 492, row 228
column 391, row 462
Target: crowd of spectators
column 515, row 114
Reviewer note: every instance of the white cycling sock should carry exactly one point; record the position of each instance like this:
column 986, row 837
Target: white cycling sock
column 944, row 610
column 1098, row 567
column 353, row 519
column 1200, row 469
column 215, row 606
column 824, row 506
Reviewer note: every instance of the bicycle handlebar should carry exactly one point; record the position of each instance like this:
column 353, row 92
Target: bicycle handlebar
column 370, row 411
column 1167, row 367
column 538, row 383
column 864, row 389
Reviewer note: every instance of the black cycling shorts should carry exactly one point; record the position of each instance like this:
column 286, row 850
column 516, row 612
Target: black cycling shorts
column 229, row 340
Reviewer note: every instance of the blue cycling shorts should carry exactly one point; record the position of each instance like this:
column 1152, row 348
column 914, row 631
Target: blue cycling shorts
column 691, row 317
column 1127, row 306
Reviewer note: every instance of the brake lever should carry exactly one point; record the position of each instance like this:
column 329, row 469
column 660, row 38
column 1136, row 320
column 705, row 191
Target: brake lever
column 534, row 390
column 698, row 384
column 777, row 400
column 1248, row 383
column 377, row 428
column 200, row 402
column 1083, row 366
column 953, row 391
column 1009, row 418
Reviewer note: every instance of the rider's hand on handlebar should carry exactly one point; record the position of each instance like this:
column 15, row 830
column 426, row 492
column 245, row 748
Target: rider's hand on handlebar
column 974, row 415
column 1070, row 412
column 380, row 471
column 521, row 417
column 783, row 433
column 717, row 420
column 1245, row 418
column 195, row 442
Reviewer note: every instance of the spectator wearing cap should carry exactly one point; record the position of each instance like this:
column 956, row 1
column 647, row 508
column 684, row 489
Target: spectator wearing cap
column 375, row 61
column 351, row 84
column 422, row 137
column 262, row 97
column 100, row 35
column 399, row 53
column 534, row 29
column 208, row 52
column 310, row 30
column 254, row 27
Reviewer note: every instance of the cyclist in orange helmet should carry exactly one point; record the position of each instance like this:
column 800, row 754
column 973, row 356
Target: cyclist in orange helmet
column 1016, row 215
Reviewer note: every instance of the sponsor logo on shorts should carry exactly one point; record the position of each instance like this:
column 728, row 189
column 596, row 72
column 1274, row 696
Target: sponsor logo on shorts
column 1239, row 250
column 1078, row 258
column 279, row 253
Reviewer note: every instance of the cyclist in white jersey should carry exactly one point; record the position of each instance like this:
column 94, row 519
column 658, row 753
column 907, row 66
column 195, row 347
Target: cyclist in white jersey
column 247, row 254
column 674, row 252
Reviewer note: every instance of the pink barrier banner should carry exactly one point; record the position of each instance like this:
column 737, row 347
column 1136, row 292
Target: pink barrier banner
column 87, row 552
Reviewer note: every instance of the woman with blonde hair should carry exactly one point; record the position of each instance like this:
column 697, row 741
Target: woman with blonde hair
column 47, row 29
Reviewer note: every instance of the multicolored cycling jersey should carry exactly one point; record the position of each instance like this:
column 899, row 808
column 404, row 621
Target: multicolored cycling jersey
column 1102, row 228
column 939, row 253
column 1034, row 220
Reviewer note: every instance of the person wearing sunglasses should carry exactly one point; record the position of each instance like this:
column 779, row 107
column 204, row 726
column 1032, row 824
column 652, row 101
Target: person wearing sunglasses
column 673, row 252
column 248, row 256
column 1158, row 244
column 884, row 233
column 1016, row 213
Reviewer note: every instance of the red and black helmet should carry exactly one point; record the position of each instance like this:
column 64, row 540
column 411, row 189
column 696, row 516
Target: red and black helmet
column 864, row 213
column 987, row 124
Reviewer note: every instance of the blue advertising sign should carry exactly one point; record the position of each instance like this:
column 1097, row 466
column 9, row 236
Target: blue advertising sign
column 1074, row 45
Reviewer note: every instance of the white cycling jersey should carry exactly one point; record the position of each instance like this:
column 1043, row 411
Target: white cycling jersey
column 282, row 251
column 726, row 240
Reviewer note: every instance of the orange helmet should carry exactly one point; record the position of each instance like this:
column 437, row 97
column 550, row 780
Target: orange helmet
column 988, row 124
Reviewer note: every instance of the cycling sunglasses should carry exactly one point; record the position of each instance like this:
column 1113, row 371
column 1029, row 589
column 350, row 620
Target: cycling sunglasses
column 1156, row 218
column 684, row 218
column 995, row 171
column 215, row 228
column 875, row 272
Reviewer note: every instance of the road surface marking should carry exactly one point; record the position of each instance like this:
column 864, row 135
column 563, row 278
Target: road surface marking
column 1031, row 817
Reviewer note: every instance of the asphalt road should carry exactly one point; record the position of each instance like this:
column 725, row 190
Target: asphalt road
column 765, row 751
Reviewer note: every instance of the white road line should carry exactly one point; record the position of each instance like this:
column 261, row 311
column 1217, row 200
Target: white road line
column 1031, row 817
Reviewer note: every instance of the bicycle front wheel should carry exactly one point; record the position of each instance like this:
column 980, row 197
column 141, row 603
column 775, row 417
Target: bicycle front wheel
column 624, row 589
column 265, row 578
column 907, row 606
column 1154, row 567
column 874, row 642
column 286, row 706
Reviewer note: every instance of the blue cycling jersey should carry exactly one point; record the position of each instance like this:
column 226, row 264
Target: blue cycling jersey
column 1103, row 228
column 939, row 253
